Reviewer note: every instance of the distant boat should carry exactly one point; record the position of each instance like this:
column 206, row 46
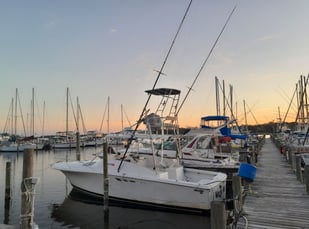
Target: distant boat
column 63, row 140
column 18, row 144
column 200, row 151
column 16, row 147
column 221, row 123
column 15, row 143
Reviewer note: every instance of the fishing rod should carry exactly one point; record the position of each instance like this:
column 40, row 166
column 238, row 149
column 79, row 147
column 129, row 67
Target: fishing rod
column 160, row 72
column 205, row 61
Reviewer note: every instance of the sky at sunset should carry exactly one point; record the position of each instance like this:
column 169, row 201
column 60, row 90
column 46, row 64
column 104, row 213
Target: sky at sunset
column 100, row 49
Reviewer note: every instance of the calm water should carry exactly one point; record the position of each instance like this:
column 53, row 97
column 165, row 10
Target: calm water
column 54, row 208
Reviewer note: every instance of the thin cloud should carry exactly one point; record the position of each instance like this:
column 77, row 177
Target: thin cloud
column 265, row 38
column 50, row 24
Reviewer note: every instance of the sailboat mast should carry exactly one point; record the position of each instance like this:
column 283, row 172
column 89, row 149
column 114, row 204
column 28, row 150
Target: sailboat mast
column 15, row 122
column 43, row 119
column 77, row 115
column 108, row 103
column 279, row 116
column 231, row 100
column 77, row 131
column 246, row 123
column 32, row 111
column 12, row 116
column 67, row 115
column 217, row 96
column 306, row 101
column 121, row 117
column 224, row 102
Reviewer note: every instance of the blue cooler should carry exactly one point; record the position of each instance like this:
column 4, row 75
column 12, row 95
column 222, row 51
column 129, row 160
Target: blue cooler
column 247, row 171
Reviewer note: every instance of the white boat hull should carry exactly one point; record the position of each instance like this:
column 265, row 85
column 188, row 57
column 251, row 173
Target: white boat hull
column 146, row 189
column 16, row 147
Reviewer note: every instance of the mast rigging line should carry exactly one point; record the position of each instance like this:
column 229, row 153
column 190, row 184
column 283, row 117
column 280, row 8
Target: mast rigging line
column 103, row 118
column 302, row 96
column 8, row 121
column 155, row 83
column 286, row 113
column 21, row 113
column 205, row 61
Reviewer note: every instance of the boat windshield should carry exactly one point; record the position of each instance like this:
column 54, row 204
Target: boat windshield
column 167, row 145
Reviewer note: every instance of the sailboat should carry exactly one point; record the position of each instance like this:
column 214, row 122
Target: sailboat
column 15, row 143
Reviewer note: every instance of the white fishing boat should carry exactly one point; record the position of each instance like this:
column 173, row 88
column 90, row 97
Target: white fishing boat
column 173, row 187
column 138, row 181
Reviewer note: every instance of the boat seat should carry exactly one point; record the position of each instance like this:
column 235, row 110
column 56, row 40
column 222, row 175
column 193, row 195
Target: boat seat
column 204, row 181
column 176, row 173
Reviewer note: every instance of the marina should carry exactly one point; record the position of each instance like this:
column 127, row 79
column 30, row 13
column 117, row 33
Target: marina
column 276, row 201
column 191, row 158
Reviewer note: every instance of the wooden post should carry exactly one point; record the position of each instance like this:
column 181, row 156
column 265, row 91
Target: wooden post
column 106, row 184
column 252, row 158
column 293, row 158
column 217, row 215
column 236, row 185
column 26, row 191
column 8, row 180
column 77, row 146
column 299, row 174
column 290, row 156
column 7, row 199
column 307, row 178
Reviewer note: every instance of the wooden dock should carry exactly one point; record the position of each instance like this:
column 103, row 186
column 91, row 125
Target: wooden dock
column 277, row 199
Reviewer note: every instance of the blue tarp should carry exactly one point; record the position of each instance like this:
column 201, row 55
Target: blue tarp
column 225, row 131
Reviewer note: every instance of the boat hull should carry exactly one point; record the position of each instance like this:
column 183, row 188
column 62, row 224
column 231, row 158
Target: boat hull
column 156, row 191
column 16, row 147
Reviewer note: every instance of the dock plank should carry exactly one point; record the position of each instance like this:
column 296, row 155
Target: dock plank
column 276, row 199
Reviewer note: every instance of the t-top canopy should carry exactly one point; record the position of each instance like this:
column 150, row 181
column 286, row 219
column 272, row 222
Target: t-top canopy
column 163, row 91
column 214, row 118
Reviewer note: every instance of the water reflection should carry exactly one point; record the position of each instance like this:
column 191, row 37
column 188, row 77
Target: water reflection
column 77, row 214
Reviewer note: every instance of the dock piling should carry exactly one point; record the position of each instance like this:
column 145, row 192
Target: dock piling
column 77, row 146
column 299, row 174
column 27, row 190
column 218, row 215
column 7, row 199
column 306, row 176
column 236, row 185
column 106, row 185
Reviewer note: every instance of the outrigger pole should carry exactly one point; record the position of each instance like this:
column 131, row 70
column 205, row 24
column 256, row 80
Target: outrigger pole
column 205, row 61
column 160, row 72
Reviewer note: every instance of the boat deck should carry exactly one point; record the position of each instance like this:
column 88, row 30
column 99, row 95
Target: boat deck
column 277, row 199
